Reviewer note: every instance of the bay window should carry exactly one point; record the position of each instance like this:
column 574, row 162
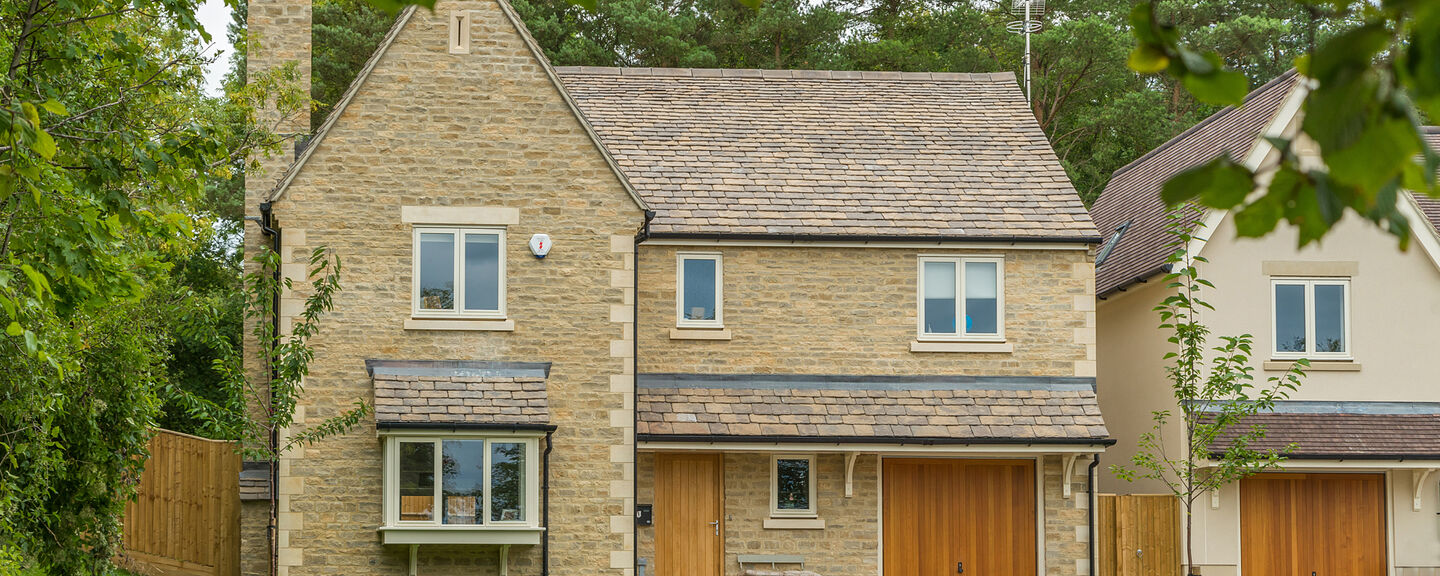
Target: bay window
column 461, row 482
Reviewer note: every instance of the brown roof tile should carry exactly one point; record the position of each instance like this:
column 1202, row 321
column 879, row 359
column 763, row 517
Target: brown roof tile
column 1133, row 193
column 737, row 406
column 1332, row 435
column 1430, row 207
column 820, row 153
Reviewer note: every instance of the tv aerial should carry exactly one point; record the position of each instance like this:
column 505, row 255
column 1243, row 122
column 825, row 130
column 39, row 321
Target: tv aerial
column 1029, row 12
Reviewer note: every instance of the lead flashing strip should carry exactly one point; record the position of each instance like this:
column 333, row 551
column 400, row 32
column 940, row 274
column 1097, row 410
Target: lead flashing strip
column 856, row 382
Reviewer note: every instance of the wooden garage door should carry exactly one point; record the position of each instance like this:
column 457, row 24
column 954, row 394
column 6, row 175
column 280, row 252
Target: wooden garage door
column 941, row 514
column 1325, row 524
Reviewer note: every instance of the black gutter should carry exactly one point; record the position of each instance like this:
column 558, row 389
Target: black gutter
column 545, row 506
column 766, row 439
column 1090, row 493
column 266, row 222
column 640, row 237
column 1141, row 279
column 463, row 426
column 872, row 238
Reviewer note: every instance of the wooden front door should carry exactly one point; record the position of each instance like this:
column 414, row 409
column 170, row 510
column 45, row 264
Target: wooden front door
column 1321, row 524
column 945, row 515
column 688, row 510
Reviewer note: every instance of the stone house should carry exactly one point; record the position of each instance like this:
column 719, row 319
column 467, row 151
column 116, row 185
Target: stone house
column 679, row 322
column 1358, row 494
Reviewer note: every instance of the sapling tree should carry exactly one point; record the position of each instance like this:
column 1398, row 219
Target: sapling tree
column 1215, row 392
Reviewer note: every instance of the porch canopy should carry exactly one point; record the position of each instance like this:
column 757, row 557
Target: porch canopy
column 950, row 410
column 1344, row 430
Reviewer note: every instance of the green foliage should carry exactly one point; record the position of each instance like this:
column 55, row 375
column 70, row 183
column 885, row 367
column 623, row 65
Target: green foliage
column 344, row 35
column 1372, row 82
column 1214, row 389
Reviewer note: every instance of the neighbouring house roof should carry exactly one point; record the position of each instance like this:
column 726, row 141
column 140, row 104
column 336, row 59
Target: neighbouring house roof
column 881, row 409
column 459, row 393
column 1430, row 207
column 799, row 153
column 1133, row 193
column 1340, row 430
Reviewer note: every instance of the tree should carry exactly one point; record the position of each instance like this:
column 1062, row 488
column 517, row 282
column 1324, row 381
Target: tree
column 345, row 34
column 1214, row 390
column 1371, row 83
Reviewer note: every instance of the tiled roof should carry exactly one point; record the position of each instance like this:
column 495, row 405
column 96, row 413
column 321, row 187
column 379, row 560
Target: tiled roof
column 860, row 408
column 1430, row 207
column 479, row 393
column 1318, row 435
column 255, row 481
column 1133, row 193
column 780, row 153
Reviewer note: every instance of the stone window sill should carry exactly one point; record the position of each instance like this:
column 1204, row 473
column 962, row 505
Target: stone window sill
column 1315, row 366
column 501, row 535
column 972, row 347
column 699, row 334
column 794, row 524
column 464, row 324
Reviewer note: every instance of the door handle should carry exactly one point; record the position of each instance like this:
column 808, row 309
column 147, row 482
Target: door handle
column 960, row 568
column 716, row 524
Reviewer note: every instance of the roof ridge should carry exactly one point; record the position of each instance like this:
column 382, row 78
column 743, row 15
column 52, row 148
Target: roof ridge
column 1226, row 111
column 766, row 74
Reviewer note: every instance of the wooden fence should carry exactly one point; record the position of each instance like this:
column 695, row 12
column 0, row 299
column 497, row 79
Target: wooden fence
column 185, row 521
column 1139, row 535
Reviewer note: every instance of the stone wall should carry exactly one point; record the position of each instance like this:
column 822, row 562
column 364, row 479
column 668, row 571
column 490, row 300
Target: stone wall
column 1067, row 520
column 485, row 128
column 806, row 310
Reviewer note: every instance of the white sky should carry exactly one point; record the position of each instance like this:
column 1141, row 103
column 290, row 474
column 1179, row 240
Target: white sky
column 214, row 15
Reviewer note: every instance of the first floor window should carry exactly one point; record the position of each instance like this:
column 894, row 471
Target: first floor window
column 792, row 486
column 463, row 481
column 459, row 272
column 1311, row 317
column 697, row 291
column 961, row 298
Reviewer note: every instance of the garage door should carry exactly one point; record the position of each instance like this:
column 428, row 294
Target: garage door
column 942, row 515
column 1322, row 524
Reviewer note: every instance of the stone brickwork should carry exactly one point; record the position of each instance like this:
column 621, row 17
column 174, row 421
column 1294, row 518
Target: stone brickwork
column 803, row 310
column 1067, row 520
column 487, row 128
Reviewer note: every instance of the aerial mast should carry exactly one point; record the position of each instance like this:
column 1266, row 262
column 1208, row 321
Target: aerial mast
column 1030, row 12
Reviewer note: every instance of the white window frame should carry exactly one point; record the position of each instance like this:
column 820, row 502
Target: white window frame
column 960, row 329
column 1309, row 283
column 680, row 320
column 531, row 487
column 775, row 511
column 459, row 269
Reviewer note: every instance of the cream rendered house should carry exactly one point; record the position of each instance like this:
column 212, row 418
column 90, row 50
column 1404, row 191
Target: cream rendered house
column 1360, row 494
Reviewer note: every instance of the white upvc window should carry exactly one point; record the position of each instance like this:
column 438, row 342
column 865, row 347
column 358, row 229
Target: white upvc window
column 699, row 299
column 961, row 298
column 462, row 481
column 792, row 486
column 459, row 273
column 1310, row 318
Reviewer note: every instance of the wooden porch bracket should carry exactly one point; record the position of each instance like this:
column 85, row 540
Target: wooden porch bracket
column 1417, row 482
column 850, row 458
column 1068, row 475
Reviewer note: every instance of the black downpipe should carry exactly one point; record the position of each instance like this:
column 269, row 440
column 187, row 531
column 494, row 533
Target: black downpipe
column 1090, row 493
column 266, row 222
column 545, row 508
column 642, row 236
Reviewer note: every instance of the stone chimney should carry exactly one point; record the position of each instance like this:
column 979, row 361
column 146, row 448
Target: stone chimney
column 279, row 33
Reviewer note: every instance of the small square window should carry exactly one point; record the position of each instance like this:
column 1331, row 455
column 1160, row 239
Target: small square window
column 698, row 299
column 792, row 486
column 459, row 272
column 467, row 468
column 961, row 299
column 1311, row 318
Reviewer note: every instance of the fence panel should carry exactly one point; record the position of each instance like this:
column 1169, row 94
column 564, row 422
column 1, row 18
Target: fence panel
column 1139, row 535
column 185, row 520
